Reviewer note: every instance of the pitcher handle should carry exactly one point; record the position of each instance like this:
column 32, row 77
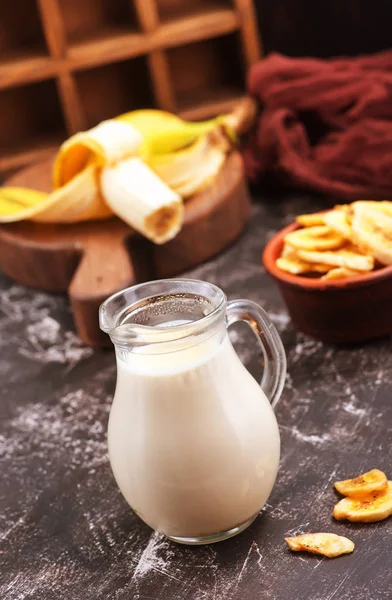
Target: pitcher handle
column 274, row 373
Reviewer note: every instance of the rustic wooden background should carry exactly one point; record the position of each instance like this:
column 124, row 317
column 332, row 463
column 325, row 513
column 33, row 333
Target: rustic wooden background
column 325, row 28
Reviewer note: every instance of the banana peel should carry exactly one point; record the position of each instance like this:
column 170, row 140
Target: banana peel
column 106, row 144
column 164, row 133
column 79, row 200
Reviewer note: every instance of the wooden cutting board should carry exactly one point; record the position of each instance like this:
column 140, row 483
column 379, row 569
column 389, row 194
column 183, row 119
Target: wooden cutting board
column 90, row 261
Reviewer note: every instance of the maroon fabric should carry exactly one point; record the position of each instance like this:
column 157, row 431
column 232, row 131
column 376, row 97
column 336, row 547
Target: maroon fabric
column 349, row 100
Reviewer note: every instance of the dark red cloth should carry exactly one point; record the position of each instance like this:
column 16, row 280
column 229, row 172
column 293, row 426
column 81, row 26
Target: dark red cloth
column 350, row 103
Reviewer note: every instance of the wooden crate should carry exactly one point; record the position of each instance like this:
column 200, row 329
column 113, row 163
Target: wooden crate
column 67, row 64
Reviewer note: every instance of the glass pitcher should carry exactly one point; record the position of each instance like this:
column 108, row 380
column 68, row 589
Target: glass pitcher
column 193, row 440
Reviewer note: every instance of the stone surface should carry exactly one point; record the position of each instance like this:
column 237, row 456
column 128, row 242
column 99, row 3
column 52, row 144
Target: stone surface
column 66, row 532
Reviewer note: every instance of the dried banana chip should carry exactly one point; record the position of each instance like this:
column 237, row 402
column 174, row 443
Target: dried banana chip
column 310, row 220
column 337, row 273
column 374, row 507
column 344, row 257
column 337, row 221
column 327, row 544
column 296, row 266
column 372, row 231
column 288, row 251
column 290, row 262
column 314, row 238
column 383, row 206
column 292, row 265
column 363, row 485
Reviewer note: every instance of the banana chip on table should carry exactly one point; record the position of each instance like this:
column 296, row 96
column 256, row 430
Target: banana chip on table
column 327, row 544
column 363, row 485
column 376, row 506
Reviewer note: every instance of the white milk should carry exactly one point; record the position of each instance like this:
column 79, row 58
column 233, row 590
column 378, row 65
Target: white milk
column 193, row 441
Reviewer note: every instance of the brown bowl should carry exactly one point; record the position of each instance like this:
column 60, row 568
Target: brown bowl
column 341, row 311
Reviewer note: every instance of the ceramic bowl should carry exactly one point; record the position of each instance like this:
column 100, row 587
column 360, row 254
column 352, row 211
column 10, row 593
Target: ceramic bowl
column 341, row 311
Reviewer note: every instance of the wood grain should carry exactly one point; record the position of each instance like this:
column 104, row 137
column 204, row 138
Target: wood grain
column 93, row 260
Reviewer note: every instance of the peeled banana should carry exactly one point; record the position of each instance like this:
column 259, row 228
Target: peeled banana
column 139, row 166
column 137, row 195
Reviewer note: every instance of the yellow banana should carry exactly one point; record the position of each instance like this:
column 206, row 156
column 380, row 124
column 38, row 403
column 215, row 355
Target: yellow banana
column 139, row 166
column 164, row 133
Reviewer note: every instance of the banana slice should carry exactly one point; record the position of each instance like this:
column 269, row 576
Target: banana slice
column 314, row 238
column 384, row 206
column 327, row 544
column 337, row 221
column 140, row 198
column 296, row 266
column 339, row 273
column 377, row 506
column 363, row 485
column 310, row 220
column 105, row 145
column 344, row 257
column 372, row 231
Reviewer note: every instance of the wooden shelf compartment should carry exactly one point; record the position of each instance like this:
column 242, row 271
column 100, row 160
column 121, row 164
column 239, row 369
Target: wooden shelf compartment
column 175, row 10
column 93, row 20
column 195, row 27
column 208, row 76
column 21, row 40
column 113, row 89
column 33, row 124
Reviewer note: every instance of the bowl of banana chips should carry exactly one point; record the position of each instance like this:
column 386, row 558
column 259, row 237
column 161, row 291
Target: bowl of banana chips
column 334, row 270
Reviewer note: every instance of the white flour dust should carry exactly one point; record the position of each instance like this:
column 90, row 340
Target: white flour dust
column 311, row 439
column 74, row 424
column 350, row 408
column 157, row 556
column 43, row 340
column 49, row 344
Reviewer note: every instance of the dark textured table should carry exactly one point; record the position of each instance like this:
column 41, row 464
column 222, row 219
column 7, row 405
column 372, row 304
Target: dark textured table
column 66, row 532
